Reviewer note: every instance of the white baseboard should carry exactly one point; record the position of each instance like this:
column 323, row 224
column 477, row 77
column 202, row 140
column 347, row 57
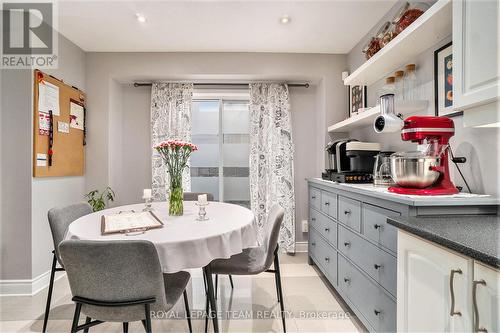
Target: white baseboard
column 27, row 287
column 301, row 246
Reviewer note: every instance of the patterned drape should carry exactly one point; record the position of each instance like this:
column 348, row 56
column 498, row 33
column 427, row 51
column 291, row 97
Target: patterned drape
column 271, row 157
column 170, row 119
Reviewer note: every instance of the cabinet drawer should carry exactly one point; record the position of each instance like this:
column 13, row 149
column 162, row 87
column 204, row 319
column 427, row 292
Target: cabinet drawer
column 324, row 225
column 313, row 243
column 380, row 265
column 329, row 204
column 376, row 228
column 324, row 255
column 314, row 197
column 373, row 303
column 350, row 213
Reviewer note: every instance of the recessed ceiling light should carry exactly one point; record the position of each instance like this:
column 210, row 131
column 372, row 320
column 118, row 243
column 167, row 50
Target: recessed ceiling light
column 285, row 19
column 141, row 18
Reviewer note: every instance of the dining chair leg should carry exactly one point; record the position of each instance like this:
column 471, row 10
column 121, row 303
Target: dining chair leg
column 280, row 291
column 213, row 305
column 87, row 320
column 206, row 301
column 188, row 313
column 147, row 322
column 76, row 317
column 231, row 281
column 125, row 327
column 276, row 280
column 49, row 295
column 216, row 284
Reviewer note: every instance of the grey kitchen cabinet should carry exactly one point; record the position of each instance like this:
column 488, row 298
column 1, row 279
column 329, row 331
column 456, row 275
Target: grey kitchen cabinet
column 356, row 250
column 476, row 60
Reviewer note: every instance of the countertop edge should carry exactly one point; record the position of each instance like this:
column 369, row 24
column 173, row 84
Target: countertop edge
column 447, row 243
column 478, row 201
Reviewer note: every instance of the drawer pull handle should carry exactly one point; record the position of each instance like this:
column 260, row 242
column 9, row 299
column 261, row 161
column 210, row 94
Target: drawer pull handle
column 327, row 259
column 377, row 266
column 327, row 229
column 313, row 219
column 327, row 204
column 452, row 292
column 347, row 212
column 477, row 327
column 313, row 244
column 347, row 280
column 313, row 197
column 347, row 244
column 376, row 226
column 377, row 312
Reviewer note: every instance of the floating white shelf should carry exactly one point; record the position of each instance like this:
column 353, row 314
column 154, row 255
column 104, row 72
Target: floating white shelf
column 431, row 27
column 366, row 118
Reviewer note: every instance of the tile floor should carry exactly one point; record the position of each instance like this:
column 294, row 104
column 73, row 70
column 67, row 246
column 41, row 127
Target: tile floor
column 251, row 306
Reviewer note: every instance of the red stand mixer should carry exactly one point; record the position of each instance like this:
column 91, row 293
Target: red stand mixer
column 425, row 171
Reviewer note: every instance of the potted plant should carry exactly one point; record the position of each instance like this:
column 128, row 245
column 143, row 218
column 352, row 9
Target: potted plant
column 99, row 201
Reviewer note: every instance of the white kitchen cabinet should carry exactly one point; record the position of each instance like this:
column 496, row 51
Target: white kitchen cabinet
column 433, row 287
column 476, row 56
column 486, row 291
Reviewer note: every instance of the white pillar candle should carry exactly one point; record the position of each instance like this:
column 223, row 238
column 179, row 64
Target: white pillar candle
column 202, row 199
column 146, row 194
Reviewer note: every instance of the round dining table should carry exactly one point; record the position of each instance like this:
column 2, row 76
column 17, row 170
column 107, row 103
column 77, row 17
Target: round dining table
column 182, row 242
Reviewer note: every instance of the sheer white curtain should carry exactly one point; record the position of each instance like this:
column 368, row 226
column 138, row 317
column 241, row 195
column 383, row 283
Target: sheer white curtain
column 271, row 157
column 170, row 119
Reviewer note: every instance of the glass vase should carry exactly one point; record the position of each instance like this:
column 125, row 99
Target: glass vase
column 176, row 207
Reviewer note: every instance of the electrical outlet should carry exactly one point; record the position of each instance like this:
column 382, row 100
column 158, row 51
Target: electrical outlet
column 305, row 226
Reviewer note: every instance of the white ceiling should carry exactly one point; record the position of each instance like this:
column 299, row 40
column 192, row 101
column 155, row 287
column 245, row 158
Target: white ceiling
column 219, row 26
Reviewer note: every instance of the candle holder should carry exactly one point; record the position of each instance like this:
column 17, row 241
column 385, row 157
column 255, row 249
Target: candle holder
column 147, row 202
column 202, row 213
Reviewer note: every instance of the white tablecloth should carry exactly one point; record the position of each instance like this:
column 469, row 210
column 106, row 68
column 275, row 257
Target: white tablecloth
column 183, row 242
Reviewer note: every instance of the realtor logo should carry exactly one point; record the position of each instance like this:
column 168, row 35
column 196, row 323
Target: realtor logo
column 29, row 37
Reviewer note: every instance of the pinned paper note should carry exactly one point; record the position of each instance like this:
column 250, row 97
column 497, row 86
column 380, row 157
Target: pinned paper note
column 63, row 127
column 41, row 160
column 48, row 98
column 43, row 123
column 76, row 115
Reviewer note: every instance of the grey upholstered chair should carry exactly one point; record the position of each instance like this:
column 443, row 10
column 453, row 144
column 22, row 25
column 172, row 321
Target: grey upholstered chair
column 256, row 260
column 193, row 196
column 120, row 281
column 59, row 220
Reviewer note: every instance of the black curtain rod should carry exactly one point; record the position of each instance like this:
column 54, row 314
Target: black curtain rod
column 146, row 84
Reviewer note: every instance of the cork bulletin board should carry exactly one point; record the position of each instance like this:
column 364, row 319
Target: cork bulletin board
column 58, row 128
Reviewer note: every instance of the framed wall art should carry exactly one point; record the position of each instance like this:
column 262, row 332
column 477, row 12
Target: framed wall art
column 443, row 81
column 357, row 99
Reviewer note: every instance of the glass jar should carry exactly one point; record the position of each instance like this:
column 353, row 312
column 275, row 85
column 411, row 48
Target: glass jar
column 388, row 87
column 372, row 47
column 399, row 85
column 388, row 35
column 374, row 44
column 408, row 14
column 410, row 83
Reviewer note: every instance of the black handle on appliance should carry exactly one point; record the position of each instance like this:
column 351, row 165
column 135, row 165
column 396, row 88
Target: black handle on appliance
column 459, row 159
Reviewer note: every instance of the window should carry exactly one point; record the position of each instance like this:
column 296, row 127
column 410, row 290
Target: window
column 220, row 128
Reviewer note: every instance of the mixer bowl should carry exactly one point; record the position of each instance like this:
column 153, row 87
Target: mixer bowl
column 414, row 172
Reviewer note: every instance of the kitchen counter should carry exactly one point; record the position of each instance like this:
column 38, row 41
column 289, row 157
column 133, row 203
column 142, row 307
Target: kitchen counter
column 411, row 200
column 474, row 236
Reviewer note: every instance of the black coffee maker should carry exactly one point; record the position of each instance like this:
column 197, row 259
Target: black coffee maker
column 337, row 159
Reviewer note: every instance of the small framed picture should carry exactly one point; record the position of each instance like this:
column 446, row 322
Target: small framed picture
column 357, row 99
column 443, row 81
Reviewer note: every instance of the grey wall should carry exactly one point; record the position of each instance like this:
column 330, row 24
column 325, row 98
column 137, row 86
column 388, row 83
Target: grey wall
column 479, row 145
column 119, row 141
column 16, row 119
column 26, row 243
